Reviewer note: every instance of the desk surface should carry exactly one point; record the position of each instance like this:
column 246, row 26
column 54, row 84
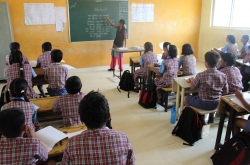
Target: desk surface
column 227, row 99
column 182, row 82
column 60, row 146
column 45, row 104
column 240, row 61
column 129, row 50
column 39, row 71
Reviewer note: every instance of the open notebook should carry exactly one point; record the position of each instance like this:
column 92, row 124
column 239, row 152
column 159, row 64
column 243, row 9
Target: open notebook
column 237, row 101
column 49, row 136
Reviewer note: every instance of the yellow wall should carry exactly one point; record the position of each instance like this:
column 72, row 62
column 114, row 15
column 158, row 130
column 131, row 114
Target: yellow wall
column 214, row 37
column 175, row 21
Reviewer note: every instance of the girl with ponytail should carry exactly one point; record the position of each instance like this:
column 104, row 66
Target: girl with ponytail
column 168, row 70
column 17, row 69
column 146, row 59
column 19, row 89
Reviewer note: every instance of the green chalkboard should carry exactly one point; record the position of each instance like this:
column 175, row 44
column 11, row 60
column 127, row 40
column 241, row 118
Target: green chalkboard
column 87, row 19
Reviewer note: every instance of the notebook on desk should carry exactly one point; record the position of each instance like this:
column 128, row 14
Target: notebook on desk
column 246, row 96
column 49, row 136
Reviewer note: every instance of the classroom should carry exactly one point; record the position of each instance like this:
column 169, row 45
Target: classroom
column 124, row 82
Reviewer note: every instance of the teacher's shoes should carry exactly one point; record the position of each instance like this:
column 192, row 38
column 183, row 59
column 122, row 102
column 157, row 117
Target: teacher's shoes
column 111, row 69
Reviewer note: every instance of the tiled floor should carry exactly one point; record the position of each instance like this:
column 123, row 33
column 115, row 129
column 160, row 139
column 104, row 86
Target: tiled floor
column 149, row 130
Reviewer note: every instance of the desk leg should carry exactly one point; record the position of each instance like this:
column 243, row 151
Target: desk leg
column 178, row 101
column 140, row 53
column 220, row 128
column 182, row 98
column 120, row 66
column 113, row 56
column 230, row 124
column 131, row 66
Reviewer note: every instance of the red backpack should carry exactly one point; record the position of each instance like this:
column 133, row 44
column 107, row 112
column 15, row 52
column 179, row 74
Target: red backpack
column 148, row 95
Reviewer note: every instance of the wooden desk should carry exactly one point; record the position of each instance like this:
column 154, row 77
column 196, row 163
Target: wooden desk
column 39, row 80
column 129, row 50
column 180, row 84
column 59, row 148
column 134, row 62
column 45, row 104
column 45, row 112
column 226, row 104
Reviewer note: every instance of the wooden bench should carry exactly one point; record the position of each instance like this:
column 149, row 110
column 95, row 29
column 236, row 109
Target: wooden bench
column 164, row 98
column 45, row 112
column 39, row 80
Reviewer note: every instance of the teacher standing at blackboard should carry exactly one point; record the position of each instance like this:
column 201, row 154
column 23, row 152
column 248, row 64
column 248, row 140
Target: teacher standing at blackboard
column 121, row 37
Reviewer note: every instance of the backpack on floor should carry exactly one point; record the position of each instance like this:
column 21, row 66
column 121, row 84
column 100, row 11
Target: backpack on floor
column 189, row 126
column 148, row 95
column 234, row 152
column 127, row 82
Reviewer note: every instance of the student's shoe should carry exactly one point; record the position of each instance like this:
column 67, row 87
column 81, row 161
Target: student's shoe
column 136, row 90
column 111, row 69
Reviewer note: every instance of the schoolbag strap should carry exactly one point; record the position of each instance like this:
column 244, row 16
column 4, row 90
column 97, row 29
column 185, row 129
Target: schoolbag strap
column 187, row 144
column 128, row 94
column 118, row 89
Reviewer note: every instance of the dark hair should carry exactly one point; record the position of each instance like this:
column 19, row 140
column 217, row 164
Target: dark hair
column 73, row 85
column 122, row 21
column 230, row 58
column 94, row 110
column 18, row 87
column 212, row 58
column 231, row 38
column 17, row 57
column 12, row 121
column 172, row 51
column 165, row 44
column 47, row 46
column 14, row 46
column 246, row 37
column 56, row 55
column 148, row 47
column 187, row 49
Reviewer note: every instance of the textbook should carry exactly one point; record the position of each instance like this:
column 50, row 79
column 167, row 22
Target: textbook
column 70, row 135
column 49, row 136
column 246, row 96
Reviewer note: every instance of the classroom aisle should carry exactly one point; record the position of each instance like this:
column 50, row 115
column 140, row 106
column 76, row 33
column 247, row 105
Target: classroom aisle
column 149, row 130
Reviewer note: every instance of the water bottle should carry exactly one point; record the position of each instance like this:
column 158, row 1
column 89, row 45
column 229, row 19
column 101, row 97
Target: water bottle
column 173, row 115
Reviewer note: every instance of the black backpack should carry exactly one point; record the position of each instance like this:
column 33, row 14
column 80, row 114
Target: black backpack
column 189, row 126
column 148, row 95
column 234, row 152
column 127, row 82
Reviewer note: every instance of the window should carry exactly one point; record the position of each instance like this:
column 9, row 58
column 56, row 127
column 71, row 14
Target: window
column 231, row 13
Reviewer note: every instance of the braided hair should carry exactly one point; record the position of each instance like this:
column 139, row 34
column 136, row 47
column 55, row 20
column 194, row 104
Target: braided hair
column 18, row 87
column 17, row 57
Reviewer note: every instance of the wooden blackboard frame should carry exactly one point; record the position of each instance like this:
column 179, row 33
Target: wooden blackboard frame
column 128, row 26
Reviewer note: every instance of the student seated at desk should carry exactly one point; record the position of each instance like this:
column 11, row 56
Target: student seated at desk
column 13, row 47
column 44, row 61
column 211, row 85
column 146, row 59
column 17, row 69
column 241, row 123
column 188, row 61
column 246, row 59
column 18, row 89
column 98, row 144
column 68, row 104
column 243, row 52
column 56, row 74
column 168, row 70
column 15, row 149
column 234, row 77
column 231, row 47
